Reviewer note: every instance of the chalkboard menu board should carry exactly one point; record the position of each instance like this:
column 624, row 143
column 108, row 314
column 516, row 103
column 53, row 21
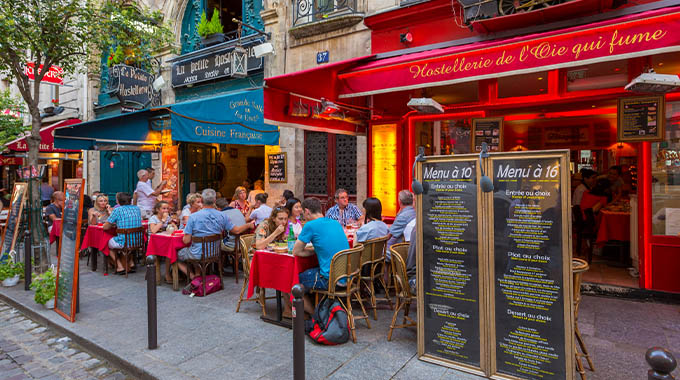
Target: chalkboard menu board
column 16, row 208
column 449, row 302
column 490, row 131
column 531, row 267
column 277, row 167
column 641, row 118
column 67, row 268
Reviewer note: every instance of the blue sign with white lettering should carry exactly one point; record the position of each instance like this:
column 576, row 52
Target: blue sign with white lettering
column 322, row 57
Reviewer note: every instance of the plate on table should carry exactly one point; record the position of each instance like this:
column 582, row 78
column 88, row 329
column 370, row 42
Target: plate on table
column 165, row 191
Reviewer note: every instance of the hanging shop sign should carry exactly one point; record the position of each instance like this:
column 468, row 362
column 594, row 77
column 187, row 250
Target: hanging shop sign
column 225, row 63
column 5, row 161
column 69, row 246
column 277, row 167
column 600, row 44
column 133, row 87
column 641, row 118
column 54, row 76
column 494, row 295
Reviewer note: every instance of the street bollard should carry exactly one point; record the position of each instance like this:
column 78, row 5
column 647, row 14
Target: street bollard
column 298, row 332
column 152, row 316
column 662, row 363
column 28, row 266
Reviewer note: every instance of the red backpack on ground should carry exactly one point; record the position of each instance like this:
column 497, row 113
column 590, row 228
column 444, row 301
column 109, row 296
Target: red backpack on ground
column 212, row 284
column 329, row 324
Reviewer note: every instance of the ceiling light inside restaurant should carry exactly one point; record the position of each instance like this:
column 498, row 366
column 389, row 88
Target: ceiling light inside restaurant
column 425, row 105
column 653, row 82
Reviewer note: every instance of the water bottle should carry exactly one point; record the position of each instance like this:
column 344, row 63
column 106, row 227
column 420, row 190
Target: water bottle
column 291, row 238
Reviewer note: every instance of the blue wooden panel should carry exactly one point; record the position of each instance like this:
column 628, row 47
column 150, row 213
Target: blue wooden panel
column 123, row 176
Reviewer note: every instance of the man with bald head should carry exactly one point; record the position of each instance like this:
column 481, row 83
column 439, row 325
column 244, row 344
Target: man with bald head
column 146, row 195
column 53, row 210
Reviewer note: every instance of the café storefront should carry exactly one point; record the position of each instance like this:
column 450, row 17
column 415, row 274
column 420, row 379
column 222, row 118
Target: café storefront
column 555, row 89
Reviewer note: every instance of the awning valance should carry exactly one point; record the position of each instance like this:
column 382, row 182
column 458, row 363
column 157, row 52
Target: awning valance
column 641, row 34
column 236, row 118
column 127, row 128
column 46, row 139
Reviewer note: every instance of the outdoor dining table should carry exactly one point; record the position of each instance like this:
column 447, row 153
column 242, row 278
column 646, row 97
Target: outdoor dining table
column 98, row 238
column 56, row 230
column 166, row 245
column 277, row 271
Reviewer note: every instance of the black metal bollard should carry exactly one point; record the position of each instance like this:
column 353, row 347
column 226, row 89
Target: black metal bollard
column 28, row 266
column 298, row 332
column 152, row 316
column 662, row 363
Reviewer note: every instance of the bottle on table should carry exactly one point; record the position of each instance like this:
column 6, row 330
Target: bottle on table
column 291, row 238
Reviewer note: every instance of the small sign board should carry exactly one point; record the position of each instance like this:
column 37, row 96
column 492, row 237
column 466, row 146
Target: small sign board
column 16, row 208
column 69, row 246
column 322, row 57
column 277, row 167
column 133, row 87
column 54, row 76
column 641, row 118
column 488, row 130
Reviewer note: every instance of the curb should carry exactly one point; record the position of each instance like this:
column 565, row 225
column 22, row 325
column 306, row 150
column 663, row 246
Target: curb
column 633, row 294
column 96, row 349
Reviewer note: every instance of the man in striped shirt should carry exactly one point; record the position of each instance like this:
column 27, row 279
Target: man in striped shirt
column 344, row 212
column 125, row 216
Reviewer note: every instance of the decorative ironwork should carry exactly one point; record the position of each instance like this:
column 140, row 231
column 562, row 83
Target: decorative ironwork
column 346, row 163
column 316, row 163
column 251, row 16
column 307, row 11
column 192, row 16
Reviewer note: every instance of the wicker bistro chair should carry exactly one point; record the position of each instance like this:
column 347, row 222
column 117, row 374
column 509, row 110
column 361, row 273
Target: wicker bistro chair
column 400, row 249
column 578, row 267
column 210, row 254
column 234, row 254
column 133, row 242
column 346, row 265
column 373, row 269
column 404, row 295
column 246, row 244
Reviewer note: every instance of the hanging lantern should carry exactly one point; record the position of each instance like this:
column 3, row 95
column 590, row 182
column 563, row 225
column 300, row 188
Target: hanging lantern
column 239, row 62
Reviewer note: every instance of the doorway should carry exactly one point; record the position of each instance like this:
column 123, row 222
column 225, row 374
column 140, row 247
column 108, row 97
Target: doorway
column 119, row 172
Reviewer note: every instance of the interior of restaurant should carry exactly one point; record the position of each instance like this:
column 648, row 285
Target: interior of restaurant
column 573, row 109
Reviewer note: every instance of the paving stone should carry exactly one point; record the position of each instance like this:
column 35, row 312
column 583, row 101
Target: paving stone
column 81, row 356
column 91, row 363
column 69, row 352
column 101, row 371
column 38, row 330
column 64, row 339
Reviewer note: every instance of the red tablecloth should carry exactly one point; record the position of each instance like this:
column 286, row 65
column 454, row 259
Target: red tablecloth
column 96, row 237
column 165, row 245
column 277, row 271
column 613, row 226
column 56, row 230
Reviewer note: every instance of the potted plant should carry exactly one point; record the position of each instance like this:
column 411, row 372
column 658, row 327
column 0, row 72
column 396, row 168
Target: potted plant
column 11, row 273
column 45, row 288
column 211, row 32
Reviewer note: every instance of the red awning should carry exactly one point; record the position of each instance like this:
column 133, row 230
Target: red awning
column 306, row 87
column 642, row 34
column 46, row 137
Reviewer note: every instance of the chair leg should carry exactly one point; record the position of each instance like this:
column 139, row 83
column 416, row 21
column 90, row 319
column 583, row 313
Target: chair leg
column 394, row 319
column 240, row 297
column 262, row 300
column 175, row 276
column 350, row 317
column 581, row 343
column 219, row 269
column 361, row 303
column 236, row 257
column 374, row 303
column 106, row 263
column 407, row 307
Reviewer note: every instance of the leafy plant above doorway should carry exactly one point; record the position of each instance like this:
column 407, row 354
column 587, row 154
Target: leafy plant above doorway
column 211, row 32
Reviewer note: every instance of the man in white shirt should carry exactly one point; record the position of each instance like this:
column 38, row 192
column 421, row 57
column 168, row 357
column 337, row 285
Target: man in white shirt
column 146, row 195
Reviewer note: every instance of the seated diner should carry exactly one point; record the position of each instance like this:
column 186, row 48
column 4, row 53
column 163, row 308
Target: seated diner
column 101, row 210
column 373, row 226
column 124, row 216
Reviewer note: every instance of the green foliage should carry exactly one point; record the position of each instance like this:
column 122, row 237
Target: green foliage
column 45, row 286
column 10, row 269
column 11, row 125
column 214, row 26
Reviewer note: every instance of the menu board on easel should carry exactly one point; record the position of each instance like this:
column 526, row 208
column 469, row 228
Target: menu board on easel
column 641, row 118
column 488, row 130
column 277, row 167
column 450, row 302
column 16, row 208
column 530, row 273
column 494, row 289
column 67, row 268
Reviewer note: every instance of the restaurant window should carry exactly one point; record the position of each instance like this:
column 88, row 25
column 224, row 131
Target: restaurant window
column 598, row 76
column 453, row 136
column 666, row 176
column 523, row 85
column 467, row 92
column 668, row 63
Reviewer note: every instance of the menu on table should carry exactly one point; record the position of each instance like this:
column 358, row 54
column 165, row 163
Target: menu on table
column 641, row 118
column 531, row 267
column 490, row 131
column 448, row 285
column 67, row 267
column 11, row 231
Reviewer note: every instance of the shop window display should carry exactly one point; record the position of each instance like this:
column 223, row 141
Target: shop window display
column 666, row 177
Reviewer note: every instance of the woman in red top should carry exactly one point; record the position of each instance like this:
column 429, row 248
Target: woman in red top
column 597, row 197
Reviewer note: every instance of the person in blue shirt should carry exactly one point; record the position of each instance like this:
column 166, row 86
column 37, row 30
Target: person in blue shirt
column 208, row 221
column 344, row 212
column 373, row 227
column 406, row 214
column 124, row 216
column 328, row 238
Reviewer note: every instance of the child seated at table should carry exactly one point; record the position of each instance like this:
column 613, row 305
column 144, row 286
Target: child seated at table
column 161, row 218
column 272, row 229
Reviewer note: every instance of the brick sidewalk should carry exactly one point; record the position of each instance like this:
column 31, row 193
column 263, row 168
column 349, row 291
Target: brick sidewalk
column 203, row 338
